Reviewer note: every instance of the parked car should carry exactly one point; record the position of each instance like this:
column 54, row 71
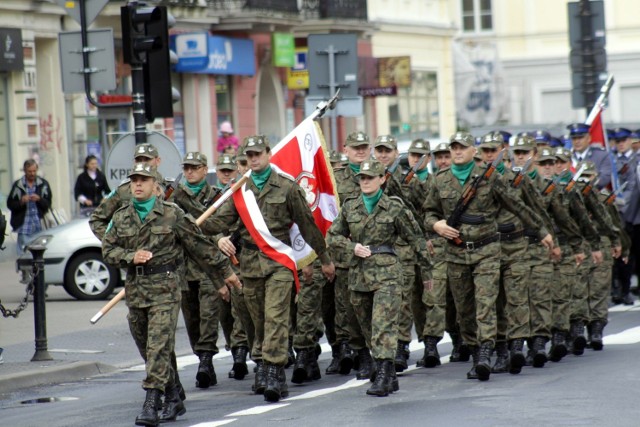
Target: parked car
column 73, row 259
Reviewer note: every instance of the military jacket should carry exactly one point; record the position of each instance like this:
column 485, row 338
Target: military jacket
column 491, row 195
column 577, row 209
column 195, row 206
column 348, row 186
column 282, row 202
column 600, row 216
column 388, row 221
column 600, row 157
column 166, row 232
column 627, row 165
column 395, row 188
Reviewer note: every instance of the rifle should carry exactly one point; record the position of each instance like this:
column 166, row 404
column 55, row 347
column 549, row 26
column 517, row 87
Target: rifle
column 587, row 188
column 612, row 197
column 469, row 193
column 625, row 167
column 517, row 181
column 409, row 175
column 233, row 258
column 388, row 172
column 574, row 179
column 552, row 185
column 172, row 187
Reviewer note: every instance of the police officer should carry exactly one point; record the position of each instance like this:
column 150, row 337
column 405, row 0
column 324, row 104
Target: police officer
column 473, row 252
column 268, row 283
column 148, row 237
column 369, row 226
column 584, row 151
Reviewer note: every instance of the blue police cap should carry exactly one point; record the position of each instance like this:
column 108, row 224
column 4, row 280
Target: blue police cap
column 478, row 141
column 578, row 129
column 542, row 136
column 635, row 134
column 620, row 133
column 611, row 134
column 506, row 136
column 555, row 142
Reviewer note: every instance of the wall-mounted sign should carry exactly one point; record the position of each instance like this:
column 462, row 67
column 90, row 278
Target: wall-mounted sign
column 298, row 75
column 192, row 51
column 225, row 55
column 11, row 55
column 283, row 47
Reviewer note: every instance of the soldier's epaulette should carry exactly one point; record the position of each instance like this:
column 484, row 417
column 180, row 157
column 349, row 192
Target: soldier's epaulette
column 125, row 181
column 173, row 205
column 350, row 198
column 285, row 175
column 443, row 170
column 397, row 199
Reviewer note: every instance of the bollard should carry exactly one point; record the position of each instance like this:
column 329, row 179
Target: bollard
column 39, row 312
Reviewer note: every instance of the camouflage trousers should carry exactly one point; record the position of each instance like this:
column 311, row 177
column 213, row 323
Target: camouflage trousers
column 540, row 281
column 512, row 306
column 347, row 326
column 309, row 310
column 599, row 284
column 418, row 308
column 200, row 313
column 405, row 317
column 566, row 275
column 154, row 331
column 579, row 303
column 235, row 320
column 329, row 311
column 377, row 314
column 268, row 300
column 474, row 277
column 435, row 299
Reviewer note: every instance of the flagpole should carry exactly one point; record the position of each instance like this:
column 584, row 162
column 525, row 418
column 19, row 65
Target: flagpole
column 320, row 110
column 599, row 105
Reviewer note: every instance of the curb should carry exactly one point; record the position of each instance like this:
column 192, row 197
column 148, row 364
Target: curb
column 72, row 371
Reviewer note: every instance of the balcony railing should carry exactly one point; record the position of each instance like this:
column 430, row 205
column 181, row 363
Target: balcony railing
column 283, row 6
column 342, row 9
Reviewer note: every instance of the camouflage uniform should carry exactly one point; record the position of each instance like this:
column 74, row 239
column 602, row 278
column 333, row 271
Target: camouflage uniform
column 474, row 272
column 153, row 297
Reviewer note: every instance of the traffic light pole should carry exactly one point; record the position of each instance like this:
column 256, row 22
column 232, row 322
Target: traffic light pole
column 589, row 83
column 137, row 95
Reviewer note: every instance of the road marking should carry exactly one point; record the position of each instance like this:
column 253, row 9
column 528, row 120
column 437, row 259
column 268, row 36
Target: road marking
column 628, row 336
column 257, row 410
column 623, row 308
column 214, row 423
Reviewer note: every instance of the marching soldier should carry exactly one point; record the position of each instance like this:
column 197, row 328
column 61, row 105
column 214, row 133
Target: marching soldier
column 473, row 251
column 148, row 237
column 369, row 226
column 584, row 151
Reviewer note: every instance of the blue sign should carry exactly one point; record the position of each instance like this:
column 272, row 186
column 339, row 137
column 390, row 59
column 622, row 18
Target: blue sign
column 227, row 56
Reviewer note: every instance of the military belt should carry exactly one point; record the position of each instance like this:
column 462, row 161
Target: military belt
column 508, row 227
column 382, row 249
column 510, row 237
column 147, row 270
column 532, row 236
column 471, row 246
column 472, row 219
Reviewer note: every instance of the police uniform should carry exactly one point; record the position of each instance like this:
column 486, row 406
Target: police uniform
column 375, row 282
column 267, row 283
column 474, row 265
column 153, row 288
column 594, row 153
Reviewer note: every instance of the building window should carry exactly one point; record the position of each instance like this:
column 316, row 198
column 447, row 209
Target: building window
column 476, row 16
column 223, row 99
column 414, row 112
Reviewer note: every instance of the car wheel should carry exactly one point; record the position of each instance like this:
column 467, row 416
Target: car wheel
column 88, row 277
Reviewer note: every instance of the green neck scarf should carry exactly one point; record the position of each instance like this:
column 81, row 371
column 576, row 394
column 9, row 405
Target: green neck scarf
column 422, row 174
column 196, row 188
column 566, row 177
column 261, row 178
column 533, row 174
column 354, row 168
column 462, row 172
column 370, row 202
column 219, row 185
column 144, row 207
column 500, row 168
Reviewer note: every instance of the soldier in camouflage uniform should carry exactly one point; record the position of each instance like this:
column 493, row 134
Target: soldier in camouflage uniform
column 473, row 266
column 369, row 226
column 148, row 237
column 348, row 333
column 200, row 298
column 267, row 283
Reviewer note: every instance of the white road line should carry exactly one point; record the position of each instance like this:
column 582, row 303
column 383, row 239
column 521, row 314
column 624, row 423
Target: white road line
column 257, row 410
column 628, row 336
column 622, row 308
column 214, row 423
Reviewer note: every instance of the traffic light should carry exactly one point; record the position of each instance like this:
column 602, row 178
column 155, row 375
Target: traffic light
column 145, row 40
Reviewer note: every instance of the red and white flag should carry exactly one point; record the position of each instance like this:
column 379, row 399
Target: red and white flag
column 597, row 130
column 301, row 155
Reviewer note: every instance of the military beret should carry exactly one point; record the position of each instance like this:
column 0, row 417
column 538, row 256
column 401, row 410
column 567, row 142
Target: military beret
column 386, row 141
column 545, row 155
column 441, row 147
column 256, row 143
column 356, row 139
column 562, row 154
column 463, row 138
column 419, row 146
column 146, row 150
column 371, row 168
column 225, row 162
column 524, row 143
column 143, row 169
column 492, row 140
column 194, row 158
column 578, row 129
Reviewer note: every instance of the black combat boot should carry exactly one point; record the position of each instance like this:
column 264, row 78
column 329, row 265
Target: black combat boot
column 176, row 379
column 539, row 352
column 149, row 414
column 232, row 372
column 345, row 358
column 394, row 385
column 313, row 374
column 400, row 361
column 261, row 378
column 173, row 405
column 332, row 369
column 291, row 356
column 517, row 356
column 483, row 368
column 276, row 383
column 579, row 341
column 382, row 385
column 206, row 375
column 558, row 348
column 301, row 369
column 475, row 354
column 240, row 369
column 627, row 299
column 501, row 365
column 431, row 357
column 365, row 362
column 596, row 335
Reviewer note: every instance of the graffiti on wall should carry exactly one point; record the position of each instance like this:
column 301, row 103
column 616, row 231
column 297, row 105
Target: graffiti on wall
column 50, row 133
